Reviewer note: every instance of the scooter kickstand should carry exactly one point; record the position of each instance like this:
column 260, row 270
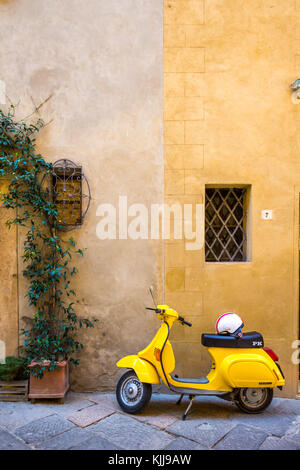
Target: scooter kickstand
column 179, row 401
column 189, row 407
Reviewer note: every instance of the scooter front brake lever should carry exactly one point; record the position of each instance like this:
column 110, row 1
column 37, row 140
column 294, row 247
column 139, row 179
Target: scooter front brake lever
column 184, row 322
column 156, row 310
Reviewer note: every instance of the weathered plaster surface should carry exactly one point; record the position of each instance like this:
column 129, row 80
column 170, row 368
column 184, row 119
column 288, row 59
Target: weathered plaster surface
column 9, row 321
column 228, row 68
column 229, row 119
column 102, row 61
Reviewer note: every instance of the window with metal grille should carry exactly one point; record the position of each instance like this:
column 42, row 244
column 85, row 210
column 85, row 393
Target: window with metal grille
column 71, row 193
column 225, row 224
column 67, row 184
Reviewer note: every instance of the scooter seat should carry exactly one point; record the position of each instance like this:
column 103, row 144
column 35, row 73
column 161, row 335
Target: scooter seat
column 248, row 340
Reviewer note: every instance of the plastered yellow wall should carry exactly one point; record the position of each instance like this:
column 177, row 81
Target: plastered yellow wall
column 229, row 120
column 9, row 314
column 102, row 64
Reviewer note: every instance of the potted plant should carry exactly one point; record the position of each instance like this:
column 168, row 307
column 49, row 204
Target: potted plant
column 14, row 379
column 49, row 347
column 54, row 383
column 51, row 340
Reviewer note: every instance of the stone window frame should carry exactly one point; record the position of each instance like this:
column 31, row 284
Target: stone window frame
column 227, row 224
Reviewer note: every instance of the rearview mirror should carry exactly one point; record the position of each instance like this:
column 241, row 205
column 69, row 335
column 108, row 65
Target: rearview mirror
column 153, row 296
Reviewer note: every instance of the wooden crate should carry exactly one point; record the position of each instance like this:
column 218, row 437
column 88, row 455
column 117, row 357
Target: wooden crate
column 14, row 391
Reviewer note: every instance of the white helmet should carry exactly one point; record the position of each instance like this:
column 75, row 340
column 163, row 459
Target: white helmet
column 230, row 323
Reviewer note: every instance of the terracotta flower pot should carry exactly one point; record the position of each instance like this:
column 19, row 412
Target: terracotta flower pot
column 53, row 384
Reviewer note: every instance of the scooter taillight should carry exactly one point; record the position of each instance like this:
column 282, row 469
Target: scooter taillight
column 271, row 354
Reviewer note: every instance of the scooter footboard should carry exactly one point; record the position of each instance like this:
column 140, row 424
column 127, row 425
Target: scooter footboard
column 144, row 370
column 248, row 371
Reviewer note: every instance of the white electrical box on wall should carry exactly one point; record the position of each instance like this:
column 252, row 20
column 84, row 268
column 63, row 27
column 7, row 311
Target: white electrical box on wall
column 267, row 214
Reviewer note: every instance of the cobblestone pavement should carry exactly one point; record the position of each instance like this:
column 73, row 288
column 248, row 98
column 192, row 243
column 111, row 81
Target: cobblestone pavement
column 95, row 421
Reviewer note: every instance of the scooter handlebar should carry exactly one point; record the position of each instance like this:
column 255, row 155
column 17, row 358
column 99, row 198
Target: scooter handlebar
column 184, row 322
column 158, row 310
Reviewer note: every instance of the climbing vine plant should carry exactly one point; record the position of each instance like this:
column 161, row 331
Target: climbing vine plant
column 48, row 259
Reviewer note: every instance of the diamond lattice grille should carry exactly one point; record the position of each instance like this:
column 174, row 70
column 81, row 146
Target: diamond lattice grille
column 225, row 216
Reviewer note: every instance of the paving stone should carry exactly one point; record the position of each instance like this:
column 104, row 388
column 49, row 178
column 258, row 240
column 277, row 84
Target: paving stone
column 129, row 433
column 43, row 428
column 160, row 413
column 207, row 408
column 181, row 443
column 106, row 399
column 285, row 406
column 161, row 420
column 211, row 422
column 72, row 403
column 273, row 424
column 293, row 433
column 10, row 442
column 89, row 415
column 242, row 438
column 276, row 443
column 159, row 403
column 206, row 432
column 96, row 443
column 66, row 440
column 15, row 415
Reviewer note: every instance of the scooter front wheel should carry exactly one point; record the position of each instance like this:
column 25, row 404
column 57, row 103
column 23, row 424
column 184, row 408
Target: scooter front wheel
column 253, row 400
column 132, row 394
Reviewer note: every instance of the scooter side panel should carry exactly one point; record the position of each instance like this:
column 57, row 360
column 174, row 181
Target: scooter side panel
column 144, row 370
column 249, row 370
column 251, row 374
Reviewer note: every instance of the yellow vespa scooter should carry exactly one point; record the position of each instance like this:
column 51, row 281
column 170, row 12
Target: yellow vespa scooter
column 242, row 370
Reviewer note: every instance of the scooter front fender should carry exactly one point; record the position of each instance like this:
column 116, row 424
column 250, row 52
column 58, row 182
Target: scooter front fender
column 144, row 370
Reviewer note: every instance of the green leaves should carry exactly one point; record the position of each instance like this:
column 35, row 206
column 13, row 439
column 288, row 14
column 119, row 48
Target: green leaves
column 80, row 252
column 53, row 334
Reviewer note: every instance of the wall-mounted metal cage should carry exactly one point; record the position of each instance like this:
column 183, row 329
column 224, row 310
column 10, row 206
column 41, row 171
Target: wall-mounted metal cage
column 225, row 224
column 71, row 193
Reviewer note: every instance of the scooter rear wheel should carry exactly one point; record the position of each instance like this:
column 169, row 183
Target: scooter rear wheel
column 253, row 400
column 132, row 394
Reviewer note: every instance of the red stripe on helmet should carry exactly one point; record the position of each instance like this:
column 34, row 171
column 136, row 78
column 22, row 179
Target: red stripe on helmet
column 224, row 314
